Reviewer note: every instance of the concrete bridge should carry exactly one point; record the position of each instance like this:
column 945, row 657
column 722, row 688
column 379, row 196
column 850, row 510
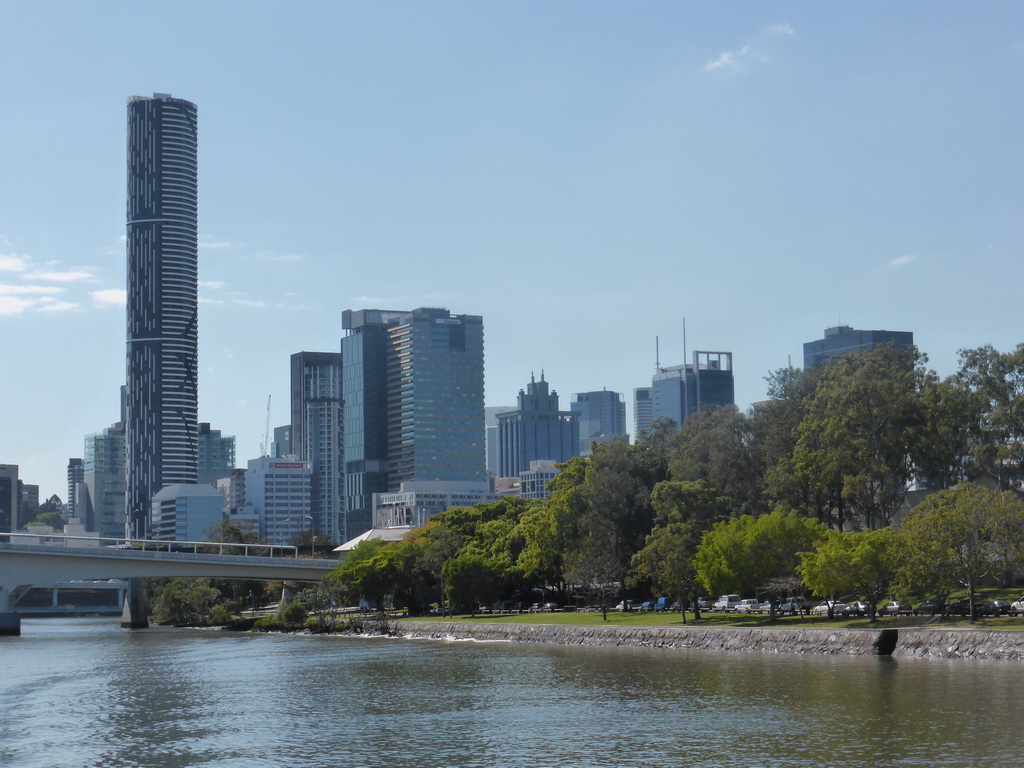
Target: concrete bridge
column 26, row 560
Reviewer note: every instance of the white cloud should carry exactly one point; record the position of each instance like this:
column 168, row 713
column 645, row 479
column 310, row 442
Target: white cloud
column 211, row 301
column 24, row 290
column 110, row 297
column 211, row 284
column 901, row 261
column 220, row 244
column 249, row 303
column 12, row 262
column 735, row 61
column 52, row 305
column 11, row 305
column 779, row 30
column 69, row 276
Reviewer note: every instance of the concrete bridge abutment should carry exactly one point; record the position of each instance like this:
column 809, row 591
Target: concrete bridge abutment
column 136, row 611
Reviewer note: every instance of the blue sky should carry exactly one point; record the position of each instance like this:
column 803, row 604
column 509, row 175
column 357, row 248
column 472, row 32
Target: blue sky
column 584, row 175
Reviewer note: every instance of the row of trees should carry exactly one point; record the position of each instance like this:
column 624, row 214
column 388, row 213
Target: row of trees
column 954, row 539
column 834, row 448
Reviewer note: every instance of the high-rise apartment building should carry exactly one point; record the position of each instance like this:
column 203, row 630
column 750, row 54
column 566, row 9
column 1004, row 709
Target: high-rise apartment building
column 413, row 386
column 316, row 408
column 536, row 430
column 9, row 502
column 642, row 405
column 844, row 340
column 679, row 391
column 76, row 476
column 162, row 335
column 602, row 417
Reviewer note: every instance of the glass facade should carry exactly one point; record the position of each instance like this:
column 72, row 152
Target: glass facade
column 316, row 393
column 536, row 430
column 844, row 340
column 679, row 391
column 162, row 335
column 602, row 417
column 413, row 387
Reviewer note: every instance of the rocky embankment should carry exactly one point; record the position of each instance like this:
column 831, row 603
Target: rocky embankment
column 935, row 643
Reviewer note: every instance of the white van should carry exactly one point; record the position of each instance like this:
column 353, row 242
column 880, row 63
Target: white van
column 726, row 603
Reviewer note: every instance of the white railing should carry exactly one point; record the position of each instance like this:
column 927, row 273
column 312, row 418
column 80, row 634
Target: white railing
column 155, row 545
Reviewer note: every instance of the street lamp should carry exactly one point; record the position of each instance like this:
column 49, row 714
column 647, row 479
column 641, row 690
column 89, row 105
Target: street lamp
column 312, row 534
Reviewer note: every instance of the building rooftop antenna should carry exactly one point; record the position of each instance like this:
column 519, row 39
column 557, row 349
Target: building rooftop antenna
column 684, row 341
column 265, row 445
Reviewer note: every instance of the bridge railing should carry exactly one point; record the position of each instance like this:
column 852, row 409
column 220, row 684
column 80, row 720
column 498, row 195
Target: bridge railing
column 156, row 545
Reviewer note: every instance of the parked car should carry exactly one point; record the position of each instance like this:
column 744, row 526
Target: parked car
column 708, row 603
column 822, row 608
column 1002, row 606
column 748, row 605
column 895, row 608
column 795, row 605
column 987, row 609
column 958, row 608
column 551, row 607
column 1017, row 607
column 929, row 608
column 766, row 606
column 857, row 608
column 726, row 603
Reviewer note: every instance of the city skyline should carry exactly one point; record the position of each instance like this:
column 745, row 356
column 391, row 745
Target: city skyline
column 581, row 176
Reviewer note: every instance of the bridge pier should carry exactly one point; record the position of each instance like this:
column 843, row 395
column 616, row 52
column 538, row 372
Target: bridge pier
column 136, row 613
column 10, row 622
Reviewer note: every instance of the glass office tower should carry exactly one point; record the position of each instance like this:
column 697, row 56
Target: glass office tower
column 413, row 386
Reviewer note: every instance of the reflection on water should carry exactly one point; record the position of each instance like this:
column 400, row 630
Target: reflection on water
column 83, row 692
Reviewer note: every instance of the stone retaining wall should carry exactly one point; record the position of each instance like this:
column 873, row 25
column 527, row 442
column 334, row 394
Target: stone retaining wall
column 935, row 643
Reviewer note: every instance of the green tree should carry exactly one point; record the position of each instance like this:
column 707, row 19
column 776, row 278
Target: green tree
column 188, row 602
column 943, row 442
column 471, row 579
column 231, row 532
column 51, row 512
column 367, row 572
column 716, row 446
column 998, row 380
column 966, row 533
column 860, row 563
column 745, row 554
column 618, row 513
column 684, row 511
column 852, row 454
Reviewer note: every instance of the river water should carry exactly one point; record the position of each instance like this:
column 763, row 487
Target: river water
column 78, row 693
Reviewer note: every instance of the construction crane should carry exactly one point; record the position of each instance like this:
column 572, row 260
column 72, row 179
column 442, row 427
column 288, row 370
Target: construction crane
column 265, row 445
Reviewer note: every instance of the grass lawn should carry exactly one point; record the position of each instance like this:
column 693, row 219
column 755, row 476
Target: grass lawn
column 638, row 619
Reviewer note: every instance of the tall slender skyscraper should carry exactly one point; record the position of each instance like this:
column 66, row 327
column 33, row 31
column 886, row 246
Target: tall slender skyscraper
column 316, row 435
column 163, row 263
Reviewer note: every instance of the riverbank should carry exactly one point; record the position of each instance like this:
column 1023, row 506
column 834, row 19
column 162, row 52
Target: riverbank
column 968, row 643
